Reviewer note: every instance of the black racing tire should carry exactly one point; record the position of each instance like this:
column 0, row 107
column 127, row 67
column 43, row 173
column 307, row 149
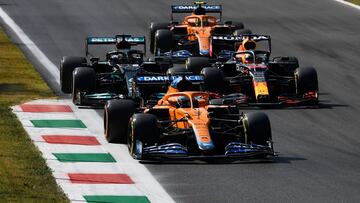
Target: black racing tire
column 238, row 25
column 84, row 80
column 67, row 66
column 117, row 114
column 214, row 80
column 286, row 64
column 142, row 127
column 176, row 70
column 306, row 80
column 240, row 32
column 257, row 129
column 153, row 28
column 196, row 64
column 163, row 41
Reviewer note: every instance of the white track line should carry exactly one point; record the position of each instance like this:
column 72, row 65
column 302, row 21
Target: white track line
column 348, row 4
column 147, row 183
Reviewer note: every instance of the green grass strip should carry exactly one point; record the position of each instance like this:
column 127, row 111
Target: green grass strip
column 58, row 123
column 117, row 199
column 84, row 157
column 354, row 1
column 24, row 174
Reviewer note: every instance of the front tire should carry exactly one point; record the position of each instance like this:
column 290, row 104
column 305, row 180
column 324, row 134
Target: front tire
column 84, row 80
column 143, row 132
column 117, row 114
column 306, row 80
column 257, row 129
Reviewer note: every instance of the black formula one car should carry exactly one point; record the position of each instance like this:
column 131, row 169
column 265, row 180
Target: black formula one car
column 94, row 83
column 255, row 78
column 192, row 36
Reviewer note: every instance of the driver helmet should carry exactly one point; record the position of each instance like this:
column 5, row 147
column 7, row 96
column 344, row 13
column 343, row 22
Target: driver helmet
column 183, row 102
column 118, row 58
column 248, row 58
column 197, row 22
column 205, row 21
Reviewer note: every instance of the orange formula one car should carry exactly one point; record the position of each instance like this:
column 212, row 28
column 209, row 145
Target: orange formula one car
column 192, row 37
column 187, row 125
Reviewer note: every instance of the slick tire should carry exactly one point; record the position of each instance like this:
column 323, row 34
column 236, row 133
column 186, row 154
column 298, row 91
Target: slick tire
column 238, row 25
column 196, row 64
column 84, row 80
column 176, row 71
column 214, row 80
column 257, row 129
column 117, row 114
column 240, row 32
column 306, row 80
column 163, row 41
column 143, row 127
column 153, row 28
column 67, row 66
column 286, row 64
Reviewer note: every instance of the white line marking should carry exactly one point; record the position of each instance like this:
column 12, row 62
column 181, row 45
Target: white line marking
column 348, row 4
column 148, row 185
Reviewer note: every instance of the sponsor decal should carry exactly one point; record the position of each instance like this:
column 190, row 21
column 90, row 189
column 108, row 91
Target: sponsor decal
column 240, row 38
column 192, row 7
column 94, row 40
column 167, row 78
column 110, row 40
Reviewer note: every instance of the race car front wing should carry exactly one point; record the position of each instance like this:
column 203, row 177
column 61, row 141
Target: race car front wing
column 176, row 150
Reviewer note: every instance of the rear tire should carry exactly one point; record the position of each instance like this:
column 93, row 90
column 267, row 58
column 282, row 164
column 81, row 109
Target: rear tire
column 176, row 70
column 286, row 64
column 153, row 28
column 306, row 80
column 117, row 114
column 84, row 80
column 163, row 41
column 214, row 80
column 238, row 25
column 240, row 32
column 196, row 64
column 143, row 128
column 67, row 66
column 257, row 128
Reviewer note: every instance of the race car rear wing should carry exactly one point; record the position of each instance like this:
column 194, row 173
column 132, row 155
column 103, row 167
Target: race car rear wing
column 134, row 41
column 217, row 39
column 191, row 8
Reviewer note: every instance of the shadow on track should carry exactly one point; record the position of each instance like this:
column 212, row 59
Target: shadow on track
column 275, row 160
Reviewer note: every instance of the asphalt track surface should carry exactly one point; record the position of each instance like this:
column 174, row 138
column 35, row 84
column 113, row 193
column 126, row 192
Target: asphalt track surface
column 319, row 149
